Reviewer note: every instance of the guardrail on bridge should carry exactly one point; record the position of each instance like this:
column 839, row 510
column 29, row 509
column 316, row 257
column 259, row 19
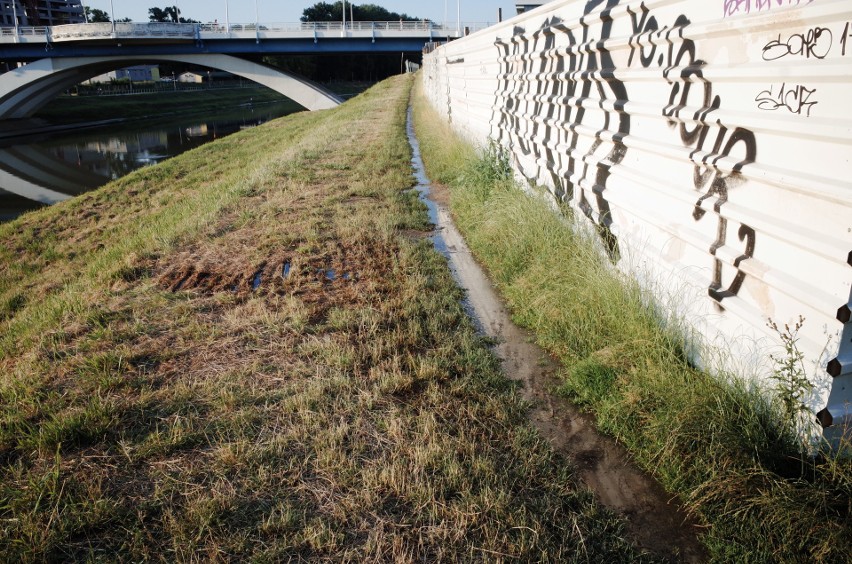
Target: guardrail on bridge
column 156, row 30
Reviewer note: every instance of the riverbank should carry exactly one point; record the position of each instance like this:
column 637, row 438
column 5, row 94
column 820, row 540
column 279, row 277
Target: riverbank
column 89, row 112
column 85, row 109
column 251, row 351
column 714, row 442
column 82, row 109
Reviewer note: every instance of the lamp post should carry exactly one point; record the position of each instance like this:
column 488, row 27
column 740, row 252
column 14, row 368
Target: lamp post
column 112, row 16
column 344, row 17
column 458, row 17
column 445, row 14
column 227, row 19
column 15, row 15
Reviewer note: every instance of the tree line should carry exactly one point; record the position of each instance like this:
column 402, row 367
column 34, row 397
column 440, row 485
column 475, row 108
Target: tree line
column 319, row 12
column 321, row 68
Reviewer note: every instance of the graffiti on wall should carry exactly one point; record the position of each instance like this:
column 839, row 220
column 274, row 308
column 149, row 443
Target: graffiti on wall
column 814, row 43
column 738, row 7
column 570, row 124
column 560, row 124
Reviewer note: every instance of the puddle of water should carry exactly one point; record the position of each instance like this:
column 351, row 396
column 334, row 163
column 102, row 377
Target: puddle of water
column 604, row 466
column 255, row 284
column 285, row 269
column 440, row 219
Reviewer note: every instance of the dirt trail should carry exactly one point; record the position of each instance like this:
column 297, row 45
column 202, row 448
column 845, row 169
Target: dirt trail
column 654, row 520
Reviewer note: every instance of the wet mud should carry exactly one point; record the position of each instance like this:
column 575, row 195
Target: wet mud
column 654, row 520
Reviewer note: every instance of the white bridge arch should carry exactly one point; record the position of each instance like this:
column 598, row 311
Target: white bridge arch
column 33, row 85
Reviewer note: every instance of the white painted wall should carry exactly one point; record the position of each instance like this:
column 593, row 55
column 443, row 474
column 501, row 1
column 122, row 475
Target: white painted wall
column 711, row 139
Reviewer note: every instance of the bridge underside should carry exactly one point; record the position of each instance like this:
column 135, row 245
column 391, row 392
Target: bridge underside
column 26, row 89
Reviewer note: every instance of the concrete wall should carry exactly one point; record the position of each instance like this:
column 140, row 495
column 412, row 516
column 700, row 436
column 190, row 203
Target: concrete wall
column 709, row 142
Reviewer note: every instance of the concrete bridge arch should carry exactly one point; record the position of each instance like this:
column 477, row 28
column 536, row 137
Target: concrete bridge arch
column 33, row 85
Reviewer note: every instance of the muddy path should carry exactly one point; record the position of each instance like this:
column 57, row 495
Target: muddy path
column 654, row 519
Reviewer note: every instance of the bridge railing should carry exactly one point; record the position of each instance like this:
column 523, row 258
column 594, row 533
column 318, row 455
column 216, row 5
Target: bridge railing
column 323, row 26
column 109, row 30
column 121, row 29
column 25, row 31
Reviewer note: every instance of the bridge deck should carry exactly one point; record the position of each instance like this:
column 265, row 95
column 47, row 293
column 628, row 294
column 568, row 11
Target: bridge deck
column 214, row 31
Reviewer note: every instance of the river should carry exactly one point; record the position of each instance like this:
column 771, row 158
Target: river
column 41, row 170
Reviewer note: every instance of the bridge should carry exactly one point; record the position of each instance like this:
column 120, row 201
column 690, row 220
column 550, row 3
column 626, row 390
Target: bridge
column 58, row 57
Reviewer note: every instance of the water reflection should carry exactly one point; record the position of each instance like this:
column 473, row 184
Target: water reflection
column 44, row 170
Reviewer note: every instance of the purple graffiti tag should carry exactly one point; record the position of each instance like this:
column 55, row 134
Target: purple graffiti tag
column 735, row 7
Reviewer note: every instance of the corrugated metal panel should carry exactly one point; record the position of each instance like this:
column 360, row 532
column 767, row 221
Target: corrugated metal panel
column 708, row 140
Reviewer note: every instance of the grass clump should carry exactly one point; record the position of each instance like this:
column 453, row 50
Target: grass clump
column 244, row 354
column 722, row 446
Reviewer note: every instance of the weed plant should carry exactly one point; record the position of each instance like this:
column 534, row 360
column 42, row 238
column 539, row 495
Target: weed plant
column 724, row 448
column 251, row 352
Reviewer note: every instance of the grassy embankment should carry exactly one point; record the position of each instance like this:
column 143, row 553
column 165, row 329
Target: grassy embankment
column 721, row 447
column 74, row 109
column 155, row 405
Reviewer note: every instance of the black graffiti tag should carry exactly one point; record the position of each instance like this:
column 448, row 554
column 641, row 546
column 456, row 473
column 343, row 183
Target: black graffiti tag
column 575, row 74
column 794, row 99
column 814, row 43
column 718, row 152
column 546, row 121
column 716, row 291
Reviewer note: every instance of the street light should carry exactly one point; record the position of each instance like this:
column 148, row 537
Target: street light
column 227, row 19
column 112, row 16
column 458, row 17
column 445, row 14
column 15, row 15
column 344, row 16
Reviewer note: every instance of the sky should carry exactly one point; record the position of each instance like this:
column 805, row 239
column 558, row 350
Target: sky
column 283, row 11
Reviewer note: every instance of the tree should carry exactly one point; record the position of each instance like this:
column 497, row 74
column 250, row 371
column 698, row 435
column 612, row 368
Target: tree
column 159, row 15
column 167, row 14
column 325, row 12
column 96, row 16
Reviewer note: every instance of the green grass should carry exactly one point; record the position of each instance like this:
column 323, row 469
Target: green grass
column 723, row 448
column 154, row 406
column 74, row 109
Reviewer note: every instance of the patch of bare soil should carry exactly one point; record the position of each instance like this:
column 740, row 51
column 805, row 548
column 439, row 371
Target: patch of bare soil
column 440, row 194
column 308, row 274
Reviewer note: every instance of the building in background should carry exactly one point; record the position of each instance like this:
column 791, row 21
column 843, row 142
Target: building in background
column 527, row 6
column 138, row 73
column 191, row 77
column 41, row 12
